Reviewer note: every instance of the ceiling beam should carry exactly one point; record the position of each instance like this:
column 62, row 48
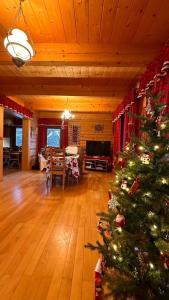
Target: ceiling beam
column 76, row 105
column 64, row 86
column 55, row 54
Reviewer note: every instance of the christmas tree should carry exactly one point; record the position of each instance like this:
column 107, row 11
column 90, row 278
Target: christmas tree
column 135, row 230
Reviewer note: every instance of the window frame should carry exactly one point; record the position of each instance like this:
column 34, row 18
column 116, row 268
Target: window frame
column 54, row 128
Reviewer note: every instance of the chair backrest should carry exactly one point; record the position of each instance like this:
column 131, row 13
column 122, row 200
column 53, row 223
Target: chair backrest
column 58, row 161
column 57, row 151
column 48, row 152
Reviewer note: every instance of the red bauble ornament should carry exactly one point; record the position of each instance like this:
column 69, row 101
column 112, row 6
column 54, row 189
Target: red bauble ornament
column 100, row 226
column 120, row 220
column 134, row 186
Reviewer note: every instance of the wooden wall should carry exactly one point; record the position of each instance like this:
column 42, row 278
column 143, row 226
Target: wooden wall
column 87, row 122
column 33, row 140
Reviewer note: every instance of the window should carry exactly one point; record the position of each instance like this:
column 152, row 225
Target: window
column 18, row 136
column 53, row 137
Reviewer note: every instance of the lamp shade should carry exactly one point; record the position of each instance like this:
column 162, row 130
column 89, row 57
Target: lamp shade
column 16, row 43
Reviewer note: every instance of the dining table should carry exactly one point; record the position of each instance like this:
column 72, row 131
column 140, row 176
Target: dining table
column 71, row 163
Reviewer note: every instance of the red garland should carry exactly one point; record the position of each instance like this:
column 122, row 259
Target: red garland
column 134, row 186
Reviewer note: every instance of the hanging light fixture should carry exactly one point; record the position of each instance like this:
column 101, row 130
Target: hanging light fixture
column 18, row 43
column 67, row 115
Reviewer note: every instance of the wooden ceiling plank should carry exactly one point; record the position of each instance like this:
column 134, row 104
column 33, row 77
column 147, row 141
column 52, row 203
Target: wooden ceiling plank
column 128, row 15
column 85, row 82
column 68, row 19
column 54, row 20
column 73, row 106
column 154, row 26
column 95, row 17
column 105, row 56
column 108, row 19
column 41, row 14
column 82, row 20
column 73, row 89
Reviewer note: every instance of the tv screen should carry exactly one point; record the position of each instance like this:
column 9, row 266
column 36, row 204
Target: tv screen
column 98, row 148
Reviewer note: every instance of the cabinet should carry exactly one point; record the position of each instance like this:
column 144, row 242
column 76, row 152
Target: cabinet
column 99, row 164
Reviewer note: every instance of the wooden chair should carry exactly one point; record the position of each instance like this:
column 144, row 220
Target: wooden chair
column 47, row 152
column 58, row 165
column 6, row 157
column 14, row 159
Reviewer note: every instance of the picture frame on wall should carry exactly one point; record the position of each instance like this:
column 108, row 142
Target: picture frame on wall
column 99, row 127
column 75, row 134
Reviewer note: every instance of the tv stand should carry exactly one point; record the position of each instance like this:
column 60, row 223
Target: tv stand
column 98, row 163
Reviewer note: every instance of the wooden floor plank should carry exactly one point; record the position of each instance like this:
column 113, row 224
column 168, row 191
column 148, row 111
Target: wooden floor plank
column 42, row 236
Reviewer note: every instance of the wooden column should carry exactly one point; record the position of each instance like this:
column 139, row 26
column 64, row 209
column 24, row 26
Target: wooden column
column 26, row 125
column 1, row 140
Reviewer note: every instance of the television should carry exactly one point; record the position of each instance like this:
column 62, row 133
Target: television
column 98, row 148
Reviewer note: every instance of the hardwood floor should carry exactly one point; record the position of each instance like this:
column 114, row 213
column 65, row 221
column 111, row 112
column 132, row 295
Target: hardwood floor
column 42, row 237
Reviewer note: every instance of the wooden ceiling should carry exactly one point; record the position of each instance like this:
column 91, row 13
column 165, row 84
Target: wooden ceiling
column 89, row 53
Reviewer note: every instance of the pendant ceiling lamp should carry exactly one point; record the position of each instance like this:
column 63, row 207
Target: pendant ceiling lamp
column 67, row 115
column 18, row 43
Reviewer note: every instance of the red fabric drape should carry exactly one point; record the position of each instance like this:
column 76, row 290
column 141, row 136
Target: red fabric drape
column 44, row 123
column 12, row 105
column 116, row 134
column 42, row 136
column 154, row 79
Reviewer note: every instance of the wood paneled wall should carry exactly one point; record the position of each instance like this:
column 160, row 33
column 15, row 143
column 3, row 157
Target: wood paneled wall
column 33, row 140
column 87, row 122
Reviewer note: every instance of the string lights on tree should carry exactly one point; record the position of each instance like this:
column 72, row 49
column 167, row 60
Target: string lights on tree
column 137, row 247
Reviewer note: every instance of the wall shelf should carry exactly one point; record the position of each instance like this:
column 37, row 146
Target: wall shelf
column 98, row 164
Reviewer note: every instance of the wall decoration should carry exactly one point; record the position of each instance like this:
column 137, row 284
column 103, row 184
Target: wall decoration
column 99, row 127
column 74, row 134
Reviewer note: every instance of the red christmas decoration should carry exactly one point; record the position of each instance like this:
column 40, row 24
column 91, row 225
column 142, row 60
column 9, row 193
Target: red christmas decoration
column 134, row 186
column 100, row 226
column 110, row 194
column 165, row 259
column 167, row 202
column 120, row 220
column 98, row 279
